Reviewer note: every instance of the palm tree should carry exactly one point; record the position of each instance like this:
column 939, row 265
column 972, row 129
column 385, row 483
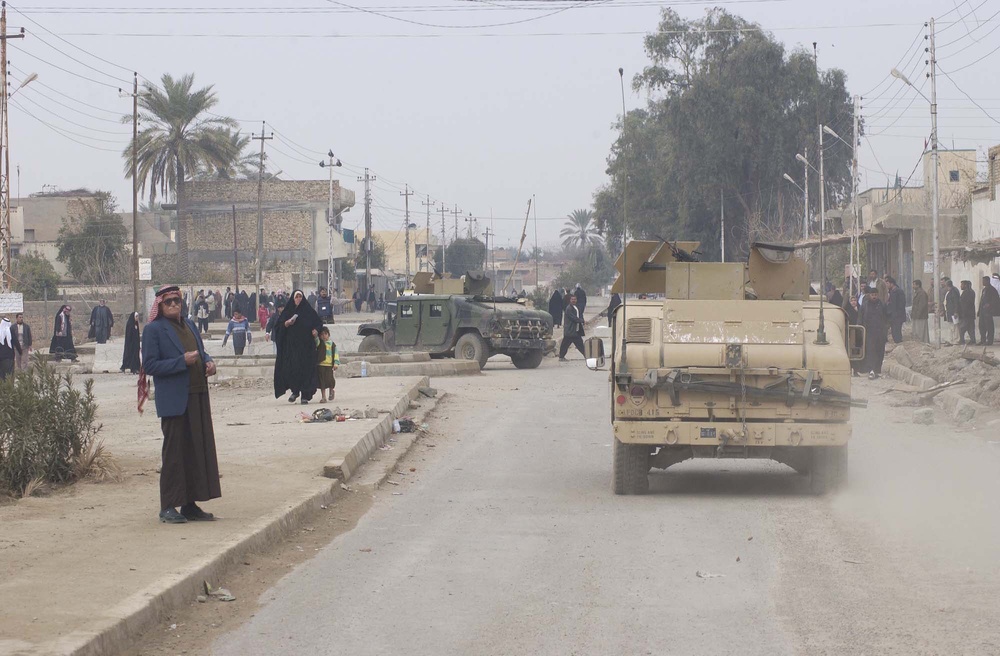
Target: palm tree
column 581, row 230
column 244, row 165
column 179, row 134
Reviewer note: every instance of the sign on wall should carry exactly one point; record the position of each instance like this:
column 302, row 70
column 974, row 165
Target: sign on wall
column 145, row 268
column 11, row 303
column 928, row 267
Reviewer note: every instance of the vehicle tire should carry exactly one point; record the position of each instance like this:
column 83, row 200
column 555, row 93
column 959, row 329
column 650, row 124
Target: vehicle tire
column 372, row 344
column 529, row 360
column 471, row 346
column 629, row 468
column 828, row 471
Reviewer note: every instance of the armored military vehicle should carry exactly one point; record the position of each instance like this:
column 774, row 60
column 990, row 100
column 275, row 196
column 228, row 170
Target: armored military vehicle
column 737, row 361
column 451, row 317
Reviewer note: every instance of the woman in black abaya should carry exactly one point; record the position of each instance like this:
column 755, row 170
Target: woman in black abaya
column 130, row 356
column 295, row 365
column 62, row 336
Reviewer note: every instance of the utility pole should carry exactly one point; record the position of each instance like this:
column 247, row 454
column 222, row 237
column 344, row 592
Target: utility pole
column 456, row 211
column 934, row 188
column 333, row 224
column 821, row 331
column 368, row 179
column 488, row 234
column 406, row 197
column 444, row 267
column 805, row 211
column 855, row 249
column 534, row 210
column 427, row 258
column 5, row 237
column 236, row 254
column 722, row 224
column 135, row 193
column 260, row 212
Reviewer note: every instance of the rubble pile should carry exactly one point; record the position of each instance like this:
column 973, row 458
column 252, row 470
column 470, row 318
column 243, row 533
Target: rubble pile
column 979, row 378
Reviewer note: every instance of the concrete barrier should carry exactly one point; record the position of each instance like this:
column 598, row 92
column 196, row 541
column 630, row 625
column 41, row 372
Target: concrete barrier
column 447, row 367
column 960, row 408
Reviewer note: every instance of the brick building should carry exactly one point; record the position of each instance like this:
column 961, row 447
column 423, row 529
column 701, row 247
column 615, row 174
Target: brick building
column 295, row 226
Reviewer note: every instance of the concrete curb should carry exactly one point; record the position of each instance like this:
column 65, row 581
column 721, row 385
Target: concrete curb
column 433, row 368
column 137, row 613
column 958, row 407
column 344, row 465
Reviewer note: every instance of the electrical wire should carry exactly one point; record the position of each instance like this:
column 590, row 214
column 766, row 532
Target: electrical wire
column 971, row 99
column 65, row 95
column 66, row 133
column 64, row 70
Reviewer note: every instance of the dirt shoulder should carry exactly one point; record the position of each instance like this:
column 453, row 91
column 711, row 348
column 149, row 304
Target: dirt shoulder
column 102, row 547
column 979, row 380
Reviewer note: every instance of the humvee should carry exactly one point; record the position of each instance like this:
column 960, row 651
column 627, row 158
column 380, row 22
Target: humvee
column 451, row 318
column 737, row 361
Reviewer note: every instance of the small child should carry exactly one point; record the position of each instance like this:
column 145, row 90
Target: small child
column 327, row 361
column 239, row 328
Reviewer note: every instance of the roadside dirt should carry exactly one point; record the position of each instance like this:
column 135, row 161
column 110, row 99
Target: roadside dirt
column 981, row 381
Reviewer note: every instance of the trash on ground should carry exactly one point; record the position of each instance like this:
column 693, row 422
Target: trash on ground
column 854, row 562
column 218, row 593
column 392, row 482
column 429, row 392
column 708, row 575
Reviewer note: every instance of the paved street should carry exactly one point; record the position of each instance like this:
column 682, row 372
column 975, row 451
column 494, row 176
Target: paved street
column 507, row 540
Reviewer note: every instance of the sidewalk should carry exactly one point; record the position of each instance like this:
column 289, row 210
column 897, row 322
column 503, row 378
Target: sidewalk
column 76, row 564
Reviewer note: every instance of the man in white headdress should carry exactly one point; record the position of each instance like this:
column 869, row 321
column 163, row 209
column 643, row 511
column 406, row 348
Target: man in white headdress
column 10, row 348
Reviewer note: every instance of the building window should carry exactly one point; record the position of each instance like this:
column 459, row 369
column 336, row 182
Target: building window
column 29, row 234
column 953, row 176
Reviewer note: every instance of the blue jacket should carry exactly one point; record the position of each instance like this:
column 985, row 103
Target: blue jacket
column 163, row 359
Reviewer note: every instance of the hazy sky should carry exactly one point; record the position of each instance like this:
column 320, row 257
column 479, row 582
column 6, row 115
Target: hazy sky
column 467, row 111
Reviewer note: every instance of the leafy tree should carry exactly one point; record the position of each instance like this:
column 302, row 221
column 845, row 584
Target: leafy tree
column 581, row 230
column 33, row 274
column 378, row 255
column 728, row 111
column 178, row 136
column 462, row 255
column 91, row 243
column 592, row 267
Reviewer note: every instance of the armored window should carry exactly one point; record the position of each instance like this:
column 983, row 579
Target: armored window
column 406, row 310
column 436, row 311
column 953, row 176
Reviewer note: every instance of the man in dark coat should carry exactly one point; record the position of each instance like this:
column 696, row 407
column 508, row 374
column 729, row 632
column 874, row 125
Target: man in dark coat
column 615, row 303
column 556, row 308
column 173, row 353
column 896, row 309
column 22, row 331
column 324, row 308
column 833, row 295
column 572, row 329
column 372, row 300
column 876, row 322
column 294, row 333
column 101, row 322
column 967, row 313
column 919, row 312
column 950, row 306
column 581, row 298
column 989, row 307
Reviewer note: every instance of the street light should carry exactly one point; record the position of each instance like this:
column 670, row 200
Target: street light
column 857, row 227
column 934, row 187
column 333, row 223
column 28, row 80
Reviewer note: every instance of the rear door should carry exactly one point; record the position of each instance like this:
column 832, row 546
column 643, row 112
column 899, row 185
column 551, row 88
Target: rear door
column 435, row 321
column 407, row 322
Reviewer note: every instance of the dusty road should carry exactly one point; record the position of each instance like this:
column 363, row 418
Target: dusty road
column 507, row 540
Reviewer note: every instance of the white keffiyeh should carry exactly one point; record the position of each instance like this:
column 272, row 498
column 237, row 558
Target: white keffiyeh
column 5, row 336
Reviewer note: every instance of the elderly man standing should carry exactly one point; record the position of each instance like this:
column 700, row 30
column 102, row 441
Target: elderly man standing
column 173, row 353
column 919, row 312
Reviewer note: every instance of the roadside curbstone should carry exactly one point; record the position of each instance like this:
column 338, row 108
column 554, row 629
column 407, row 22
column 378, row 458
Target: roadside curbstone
column 958, row 407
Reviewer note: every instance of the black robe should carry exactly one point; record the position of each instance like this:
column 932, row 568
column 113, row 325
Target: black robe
column 130, row 356
column 295, row 364
column 556, row 308
column 101, row 322
column 616, row 301
column 62, row 346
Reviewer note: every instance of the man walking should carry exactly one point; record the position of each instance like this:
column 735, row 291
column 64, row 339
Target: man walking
column 967, row 313
column 22, row 331
column 895, row 309
column 173, row 353
column 989, row 307
column 572, row 329
column 919, row 313
column 101, row 322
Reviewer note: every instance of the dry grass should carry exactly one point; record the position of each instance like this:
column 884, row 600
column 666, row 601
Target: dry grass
column 35, row 486
column 97, row 464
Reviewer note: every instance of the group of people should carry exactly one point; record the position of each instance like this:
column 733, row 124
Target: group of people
column 559, row 302
column 880, row 306
column 371, row 301
column 15, row 345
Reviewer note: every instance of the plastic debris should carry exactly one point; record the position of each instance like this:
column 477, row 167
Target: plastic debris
column 396, row 427
column 429, row 392
column 218, row 593
column 708, row 575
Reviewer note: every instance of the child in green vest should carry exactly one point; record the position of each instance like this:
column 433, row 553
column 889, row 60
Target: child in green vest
column 327, row 361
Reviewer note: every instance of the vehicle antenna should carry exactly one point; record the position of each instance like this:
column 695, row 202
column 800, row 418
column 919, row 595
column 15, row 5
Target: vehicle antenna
column 624, row 364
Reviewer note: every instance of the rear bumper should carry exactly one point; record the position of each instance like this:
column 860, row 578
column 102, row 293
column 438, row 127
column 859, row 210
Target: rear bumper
column 708, row 433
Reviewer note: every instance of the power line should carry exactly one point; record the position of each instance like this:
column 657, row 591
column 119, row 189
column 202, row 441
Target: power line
column 65, row 133
column 66, row 70
column 971, row 99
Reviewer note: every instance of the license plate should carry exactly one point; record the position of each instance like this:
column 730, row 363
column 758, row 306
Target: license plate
column 708, row 432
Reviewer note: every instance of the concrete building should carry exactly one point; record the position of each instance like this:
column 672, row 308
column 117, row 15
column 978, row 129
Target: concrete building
column 979, row 255
column 296, row 235
column 423, row 247
column 37, row 219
